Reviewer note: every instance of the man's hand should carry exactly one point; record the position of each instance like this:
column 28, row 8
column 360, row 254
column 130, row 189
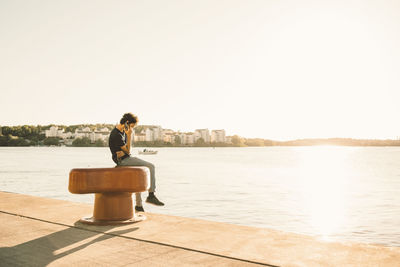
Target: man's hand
column 120, row 154
column 129, row 131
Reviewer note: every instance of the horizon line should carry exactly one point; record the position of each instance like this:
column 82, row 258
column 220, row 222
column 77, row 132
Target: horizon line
column 276, row 140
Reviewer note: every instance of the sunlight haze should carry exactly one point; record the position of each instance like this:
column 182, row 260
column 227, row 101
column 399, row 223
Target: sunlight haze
column 269, row 69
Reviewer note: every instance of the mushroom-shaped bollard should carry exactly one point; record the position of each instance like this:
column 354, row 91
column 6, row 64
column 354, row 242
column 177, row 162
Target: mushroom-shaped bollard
column 113, row 188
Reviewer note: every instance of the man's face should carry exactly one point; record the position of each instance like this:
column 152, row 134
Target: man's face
column 132, row 125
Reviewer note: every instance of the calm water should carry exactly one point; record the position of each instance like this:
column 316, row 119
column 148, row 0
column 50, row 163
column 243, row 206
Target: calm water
column 335, row 193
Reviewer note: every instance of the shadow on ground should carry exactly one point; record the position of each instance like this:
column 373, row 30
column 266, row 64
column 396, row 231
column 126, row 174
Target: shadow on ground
column 46, row 249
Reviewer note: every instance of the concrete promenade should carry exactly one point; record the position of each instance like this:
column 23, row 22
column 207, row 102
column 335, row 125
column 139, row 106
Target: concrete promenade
column 38, row 231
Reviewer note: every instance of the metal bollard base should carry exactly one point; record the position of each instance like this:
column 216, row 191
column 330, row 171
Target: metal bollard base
column 90, row 220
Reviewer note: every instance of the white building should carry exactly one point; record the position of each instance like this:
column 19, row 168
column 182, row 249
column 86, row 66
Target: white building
column 140, row 137
column 98, row 134
column 202, row 133
column 66, row 135
column 101, row 134
column 188, row 139
column 181, row 137
column 54, row 132
column 169, row 138
column 157, row 133
column 104, row 130
column 149, row 135
column 218, row 136
column 167, row 131
column 153, row 133
column 82, row 132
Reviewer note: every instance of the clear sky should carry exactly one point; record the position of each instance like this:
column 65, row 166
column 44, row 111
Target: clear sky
column 270, row 69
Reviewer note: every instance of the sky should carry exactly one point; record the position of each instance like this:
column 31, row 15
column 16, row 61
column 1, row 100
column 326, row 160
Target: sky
column 269, row 69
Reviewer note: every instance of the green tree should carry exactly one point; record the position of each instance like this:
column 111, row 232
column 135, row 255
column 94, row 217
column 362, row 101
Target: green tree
column 6, row 130
column 35, row 140
column 9, row 140
column 85, row 141
column 3, row 140
column 268, row 143
column 26, row 131
column 237, row 140
column 51, row 141
column 254, row 142
column 99, row 143
column 158, row 143
column 18, row 142
column 71, row 128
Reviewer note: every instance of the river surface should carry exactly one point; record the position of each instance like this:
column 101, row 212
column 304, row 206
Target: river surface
column 334, row 193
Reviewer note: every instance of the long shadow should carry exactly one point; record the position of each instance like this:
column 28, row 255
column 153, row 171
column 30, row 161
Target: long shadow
column 46, row 249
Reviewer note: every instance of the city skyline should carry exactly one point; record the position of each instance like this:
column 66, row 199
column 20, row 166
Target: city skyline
column 140, row 129
column 278, row 70
column 144, row 134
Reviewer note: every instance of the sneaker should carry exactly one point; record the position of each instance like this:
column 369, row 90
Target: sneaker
column 139, row 208
column 152, row 199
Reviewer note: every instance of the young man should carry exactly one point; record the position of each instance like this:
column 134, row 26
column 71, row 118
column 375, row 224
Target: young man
column 120, row 146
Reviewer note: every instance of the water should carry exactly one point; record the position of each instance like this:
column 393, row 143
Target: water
column 334, row 193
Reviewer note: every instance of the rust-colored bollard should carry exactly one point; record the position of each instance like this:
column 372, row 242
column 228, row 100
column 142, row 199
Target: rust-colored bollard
column 113, row 188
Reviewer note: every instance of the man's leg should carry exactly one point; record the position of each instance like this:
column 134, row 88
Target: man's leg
column 139, row 199
column 133, row 161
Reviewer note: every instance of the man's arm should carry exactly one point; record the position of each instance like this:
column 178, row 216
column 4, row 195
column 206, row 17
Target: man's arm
column 127, row 148
column 120, row 154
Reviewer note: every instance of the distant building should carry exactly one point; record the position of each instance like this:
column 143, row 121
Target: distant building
column 101, row 134
column 202, row 133
column 140, row 137
column 188, row 139
column 149, row 135
column 54, row 132
column 167, row 131
column 153, row 133
column 82, row 132
column 181, row 137
column 104, row 130
column 157, row 133
column 68, row 142
column 169, row 138
column 218, row 136
column 66, row 135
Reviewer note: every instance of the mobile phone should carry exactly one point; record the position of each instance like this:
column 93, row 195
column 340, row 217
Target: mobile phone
column 126, row 126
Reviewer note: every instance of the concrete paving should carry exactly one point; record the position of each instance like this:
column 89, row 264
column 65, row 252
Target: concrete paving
column 39, row 232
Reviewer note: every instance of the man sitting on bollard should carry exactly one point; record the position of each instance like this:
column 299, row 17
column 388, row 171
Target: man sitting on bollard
column 120, row 146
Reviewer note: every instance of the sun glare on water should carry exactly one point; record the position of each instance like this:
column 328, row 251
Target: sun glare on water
column 323, row 180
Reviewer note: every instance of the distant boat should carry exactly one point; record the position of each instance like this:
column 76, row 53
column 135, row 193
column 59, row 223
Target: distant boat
column 148, row 152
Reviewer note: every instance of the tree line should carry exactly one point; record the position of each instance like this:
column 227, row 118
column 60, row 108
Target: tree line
column 29, row 135
column 25, row 135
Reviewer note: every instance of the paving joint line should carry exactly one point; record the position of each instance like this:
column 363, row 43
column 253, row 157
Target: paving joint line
column 143, row 240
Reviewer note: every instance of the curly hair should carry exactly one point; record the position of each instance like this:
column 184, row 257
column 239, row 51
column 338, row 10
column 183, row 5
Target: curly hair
column 130, row 118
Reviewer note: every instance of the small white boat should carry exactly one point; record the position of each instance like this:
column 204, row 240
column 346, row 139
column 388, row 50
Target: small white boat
column 148, row 152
